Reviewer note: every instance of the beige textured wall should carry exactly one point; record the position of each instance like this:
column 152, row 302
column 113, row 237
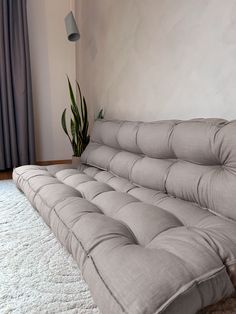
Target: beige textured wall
column 158, row 59
column 52, row 57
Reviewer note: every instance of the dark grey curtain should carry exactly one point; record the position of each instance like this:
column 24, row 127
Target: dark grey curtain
column 16, row 108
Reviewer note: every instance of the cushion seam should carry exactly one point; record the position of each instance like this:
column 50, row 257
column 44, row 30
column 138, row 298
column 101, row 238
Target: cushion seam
column 194, row 283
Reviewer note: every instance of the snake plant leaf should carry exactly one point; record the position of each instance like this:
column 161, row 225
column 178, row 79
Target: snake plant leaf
column 76, row 114
column 81, row 102
column 80, row 145
column 76, row 119
column 73, row 102
column 86, row 124
column 63, row 123
column 100, row 114
column 73, row 129
column 72, row 96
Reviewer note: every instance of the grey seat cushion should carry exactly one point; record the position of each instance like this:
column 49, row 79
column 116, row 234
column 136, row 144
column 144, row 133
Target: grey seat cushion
column 149, row 215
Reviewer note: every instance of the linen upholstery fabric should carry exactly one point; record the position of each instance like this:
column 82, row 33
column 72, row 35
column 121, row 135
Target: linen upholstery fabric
column 149, row 215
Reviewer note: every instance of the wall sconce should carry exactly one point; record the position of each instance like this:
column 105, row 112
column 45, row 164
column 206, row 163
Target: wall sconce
column 71, row 28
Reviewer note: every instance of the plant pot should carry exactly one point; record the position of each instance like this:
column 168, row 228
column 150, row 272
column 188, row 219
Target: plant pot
column 75, row 161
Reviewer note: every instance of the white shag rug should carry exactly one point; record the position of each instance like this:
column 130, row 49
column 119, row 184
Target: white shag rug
column 37, row 275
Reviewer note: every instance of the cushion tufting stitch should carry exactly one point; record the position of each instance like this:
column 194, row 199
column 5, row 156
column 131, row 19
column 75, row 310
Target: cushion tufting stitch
column 149, row 215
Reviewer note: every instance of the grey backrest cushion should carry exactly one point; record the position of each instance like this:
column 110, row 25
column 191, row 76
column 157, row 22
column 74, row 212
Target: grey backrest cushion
column 192, row 160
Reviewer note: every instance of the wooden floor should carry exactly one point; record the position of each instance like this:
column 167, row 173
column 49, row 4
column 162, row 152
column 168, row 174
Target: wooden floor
column 5, row 175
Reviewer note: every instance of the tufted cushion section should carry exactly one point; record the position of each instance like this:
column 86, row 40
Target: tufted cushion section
column 193, row 160
column 149, row 215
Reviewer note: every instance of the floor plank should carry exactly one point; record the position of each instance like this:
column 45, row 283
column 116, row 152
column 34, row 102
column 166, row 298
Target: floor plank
column 6, row 175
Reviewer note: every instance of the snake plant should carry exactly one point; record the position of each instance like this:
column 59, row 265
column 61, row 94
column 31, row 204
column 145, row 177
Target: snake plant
column 78, row 134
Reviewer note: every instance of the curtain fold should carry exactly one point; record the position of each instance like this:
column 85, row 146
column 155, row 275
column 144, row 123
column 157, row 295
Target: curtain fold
column 17, row 145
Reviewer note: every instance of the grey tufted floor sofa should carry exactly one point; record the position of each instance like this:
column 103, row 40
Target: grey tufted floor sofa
column 149, row 215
